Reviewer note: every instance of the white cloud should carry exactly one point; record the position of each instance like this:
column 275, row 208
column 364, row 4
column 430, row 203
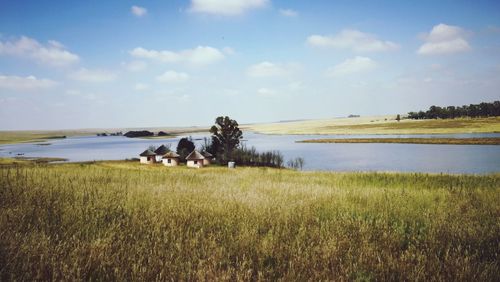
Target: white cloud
column 226, row 7
column 138, row 11
column 266, row 92
column 352, row 39
column 351, row 66
column 135, row 66
column 201, row 55
column 289, row 13
column 228, row 50
column 173, row 76
column 444, row 39
column 268, row 69
column 141, row 87
column 93, row 75
column 18, row 83
column 52, row 54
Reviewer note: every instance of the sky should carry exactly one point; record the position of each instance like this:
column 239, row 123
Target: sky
column 112, row 64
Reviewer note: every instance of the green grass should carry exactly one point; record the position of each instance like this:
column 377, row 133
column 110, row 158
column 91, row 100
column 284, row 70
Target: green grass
column 126, row 221
column 438, row 141
column 381, row 125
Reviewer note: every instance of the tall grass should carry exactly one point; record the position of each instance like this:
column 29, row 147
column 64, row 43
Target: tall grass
column 124, row 221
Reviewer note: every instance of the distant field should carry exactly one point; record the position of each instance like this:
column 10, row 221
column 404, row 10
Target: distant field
column 380, row 125
column 10, row 137
column 7, row 137
column 438, row 141
column 130, row 222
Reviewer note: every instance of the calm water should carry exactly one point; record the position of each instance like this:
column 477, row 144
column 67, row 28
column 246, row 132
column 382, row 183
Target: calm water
column 338, row 157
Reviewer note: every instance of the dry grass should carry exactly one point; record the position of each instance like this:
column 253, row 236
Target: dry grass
column 125, row 221
column 380, row 125
column 437, row 141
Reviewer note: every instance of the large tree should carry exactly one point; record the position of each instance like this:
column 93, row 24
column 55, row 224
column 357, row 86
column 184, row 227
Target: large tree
column 226, row 137
column 184, row 147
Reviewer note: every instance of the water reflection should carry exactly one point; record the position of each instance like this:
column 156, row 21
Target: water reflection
column 338, row 157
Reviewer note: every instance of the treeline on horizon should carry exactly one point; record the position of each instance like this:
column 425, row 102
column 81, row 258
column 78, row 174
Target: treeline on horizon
column 473, row 110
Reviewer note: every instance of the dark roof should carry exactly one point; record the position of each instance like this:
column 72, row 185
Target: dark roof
column 147, row 153
column 171, row 155
column 207, row 154
column 162, row 150
column 195, row 155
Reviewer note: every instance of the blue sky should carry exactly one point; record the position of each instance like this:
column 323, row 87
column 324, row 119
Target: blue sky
column 101, row 64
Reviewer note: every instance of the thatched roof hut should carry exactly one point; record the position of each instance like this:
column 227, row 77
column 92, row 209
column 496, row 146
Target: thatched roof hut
column 147, row 157
column 195, row 159
column 208, row 157
column 171, row 159
column 162, row 150
column 147, row 153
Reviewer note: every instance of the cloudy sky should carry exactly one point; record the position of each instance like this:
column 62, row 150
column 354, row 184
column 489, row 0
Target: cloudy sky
column 98, row 64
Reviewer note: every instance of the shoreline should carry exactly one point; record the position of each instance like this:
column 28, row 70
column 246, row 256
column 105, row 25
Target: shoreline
column 22, row 161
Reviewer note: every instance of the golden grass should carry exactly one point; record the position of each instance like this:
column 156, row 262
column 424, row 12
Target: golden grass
column 380, row 125
column 437, row 141
column 126, row 221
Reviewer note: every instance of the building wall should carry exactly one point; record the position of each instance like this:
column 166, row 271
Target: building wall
column 173, row 162
column 147, row 160
column 158, row 158
column 206, row 162
column 191, row 163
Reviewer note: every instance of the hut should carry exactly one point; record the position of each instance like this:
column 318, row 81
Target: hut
column 208, row 158
column 171, row 159
column 195, row 159
column 162, row 150
column 147, row 157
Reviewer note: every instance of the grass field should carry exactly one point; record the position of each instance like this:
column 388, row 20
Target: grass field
column 437, row 141
column 380, row 125
column 125, row 221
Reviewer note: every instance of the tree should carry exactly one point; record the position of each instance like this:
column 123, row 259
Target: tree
column 398, row 117
column 185, row 147
column 225, row 137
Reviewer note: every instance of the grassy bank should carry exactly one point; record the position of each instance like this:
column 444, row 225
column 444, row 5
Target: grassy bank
column 9, row 137
column 380, row 125
column 125, row 221
column 438, row 141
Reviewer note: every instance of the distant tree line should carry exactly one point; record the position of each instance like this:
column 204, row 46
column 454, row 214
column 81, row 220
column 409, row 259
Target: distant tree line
column 473, row 110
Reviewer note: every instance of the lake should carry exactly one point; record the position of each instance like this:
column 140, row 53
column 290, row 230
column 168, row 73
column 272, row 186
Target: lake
column 336, row 157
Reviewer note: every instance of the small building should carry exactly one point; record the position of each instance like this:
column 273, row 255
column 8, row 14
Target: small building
column 195, row 159
column 208, row 158
column 162, row 150
column 147, row 157
column 171, row 159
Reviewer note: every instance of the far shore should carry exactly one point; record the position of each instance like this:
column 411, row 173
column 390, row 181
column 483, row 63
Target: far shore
column 42, row 136
column 434, row 141
column 379, row 125
column 370, row 125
